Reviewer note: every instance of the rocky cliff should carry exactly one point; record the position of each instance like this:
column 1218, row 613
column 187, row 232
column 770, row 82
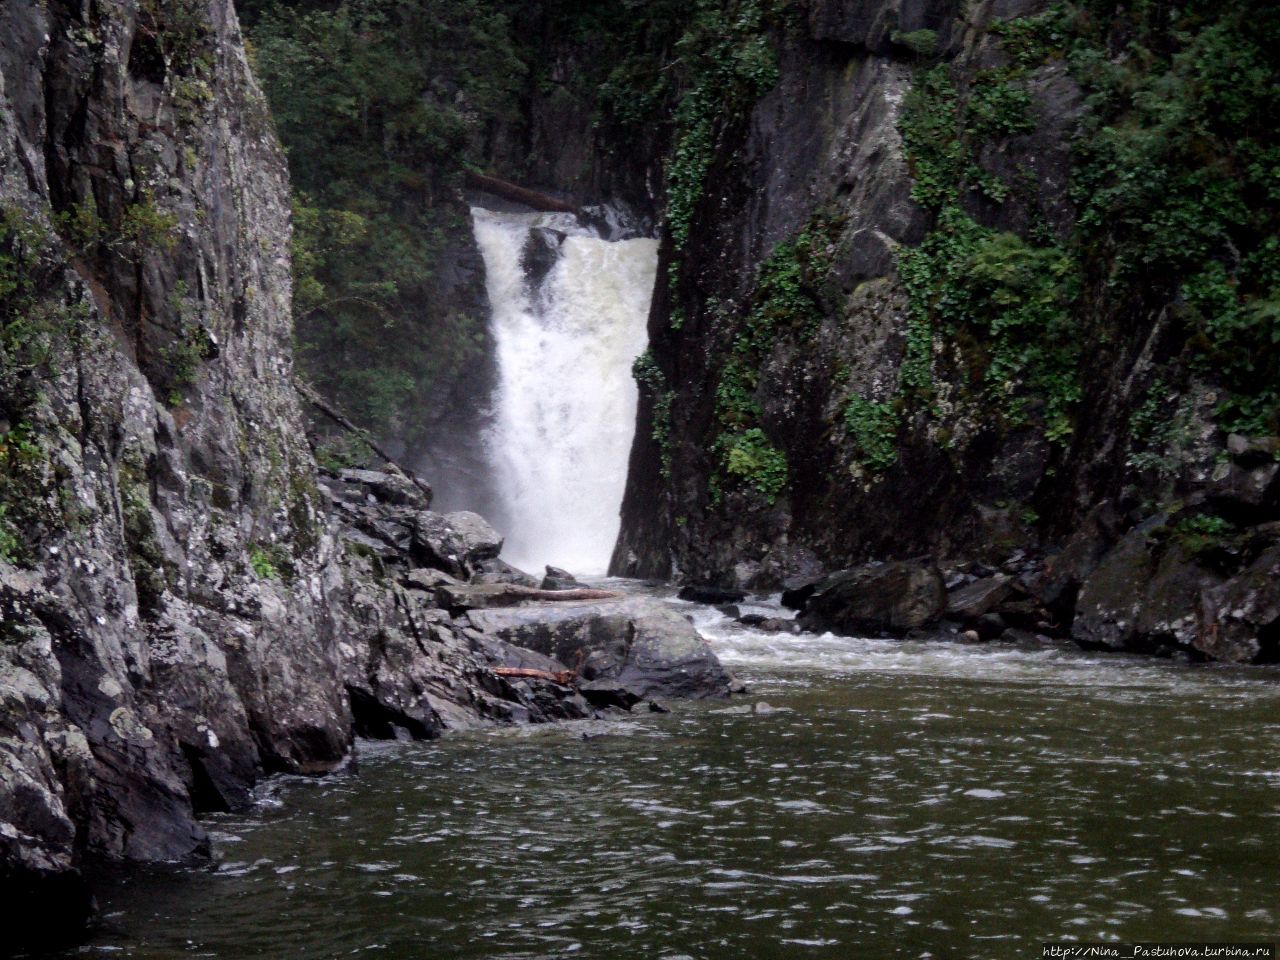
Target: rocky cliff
column 947, row 282
column 184, row 608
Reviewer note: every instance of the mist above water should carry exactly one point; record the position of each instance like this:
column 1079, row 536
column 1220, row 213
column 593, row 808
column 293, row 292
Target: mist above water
column 569, row 317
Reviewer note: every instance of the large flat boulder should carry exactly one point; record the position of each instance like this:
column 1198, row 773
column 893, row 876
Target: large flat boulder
column 885, row 598
column 638, row 644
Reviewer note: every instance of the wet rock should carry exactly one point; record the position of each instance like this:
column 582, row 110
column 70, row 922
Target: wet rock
column 609, row 693
column 777, row 625
column 1024, row 613
column 640, row 644
column 540, row 254
column 877, row 598
column 1025, row 638
column 1239, row 620
column 990, row 626
column 457, row 543
column 499, row 571
column 425, row 578
column 558, row 579
column 711, row 595
column 1253, row 451
column 1064, row 573
column 977, row 598
column 480, row 596
column 391, row 487
column 1143, row 595
column 796, row 596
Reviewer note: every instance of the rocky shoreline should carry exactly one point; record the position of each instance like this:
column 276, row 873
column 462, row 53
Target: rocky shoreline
column 186, row 605
column 419, row 651
column 1153, row 587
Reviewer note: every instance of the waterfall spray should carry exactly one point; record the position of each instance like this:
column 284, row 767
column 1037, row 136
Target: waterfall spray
column 569, row 314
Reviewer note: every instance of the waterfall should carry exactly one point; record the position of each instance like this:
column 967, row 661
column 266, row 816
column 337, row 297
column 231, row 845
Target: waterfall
column 569, row 313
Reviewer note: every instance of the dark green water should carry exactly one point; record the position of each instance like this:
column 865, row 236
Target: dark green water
column 902, row 800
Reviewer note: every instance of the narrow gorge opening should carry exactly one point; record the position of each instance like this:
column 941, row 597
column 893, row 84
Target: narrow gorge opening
column 568, row 314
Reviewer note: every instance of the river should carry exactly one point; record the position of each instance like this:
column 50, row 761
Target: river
column 890, row 799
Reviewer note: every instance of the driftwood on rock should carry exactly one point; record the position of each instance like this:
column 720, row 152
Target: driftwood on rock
column 510, row 191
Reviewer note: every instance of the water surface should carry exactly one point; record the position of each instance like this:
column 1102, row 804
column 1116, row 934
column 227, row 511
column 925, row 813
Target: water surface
column 895, row 800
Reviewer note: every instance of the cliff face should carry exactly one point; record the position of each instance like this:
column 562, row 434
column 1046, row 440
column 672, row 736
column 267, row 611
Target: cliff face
column 154, row 450
column 919, row 307
column 180, row 610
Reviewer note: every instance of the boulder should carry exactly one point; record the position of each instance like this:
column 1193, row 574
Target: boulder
column 797, row 594
column 883, row 598
column 457, row 543
column 637, row 643
column 424, row 578
column 974, row 600
column 498, row 570
column 557, row 579
column 1143, row 596
column 1058, row 584
column 481, row 596
column 1253, row 451
column 1239, row 620
column 710, row 595
column 390, row 486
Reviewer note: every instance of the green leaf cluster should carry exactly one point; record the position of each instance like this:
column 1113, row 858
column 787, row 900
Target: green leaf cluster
column 873, row 430
column 753, row 459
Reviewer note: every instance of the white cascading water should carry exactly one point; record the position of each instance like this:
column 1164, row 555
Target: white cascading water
column 565, row 408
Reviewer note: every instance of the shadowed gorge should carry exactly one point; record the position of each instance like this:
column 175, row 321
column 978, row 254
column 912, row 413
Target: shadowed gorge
column 675, row 478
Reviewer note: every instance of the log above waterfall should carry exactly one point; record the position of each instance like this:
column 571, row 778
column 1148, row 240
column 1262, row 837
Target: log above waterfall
column 518, row 194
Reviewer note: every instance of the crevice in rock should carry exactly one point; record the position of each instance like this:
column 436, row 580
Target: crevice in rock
column 377, row 721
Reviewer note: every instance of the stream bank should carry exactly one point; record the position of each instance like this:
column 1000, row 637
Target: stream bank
column 911, row 799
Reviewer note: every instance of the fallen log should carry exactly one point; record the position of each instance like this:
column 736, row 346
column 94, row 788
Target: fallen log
column 518, row 194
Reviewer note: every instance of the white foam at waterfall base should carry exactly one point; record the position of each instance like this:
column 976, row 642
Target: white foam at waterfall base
column 564, row 412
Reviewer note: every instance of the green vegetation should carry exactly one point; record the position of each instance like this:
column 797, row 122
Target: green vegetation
column 381, row 105
column 923, row 43
column 754, row 460
column 1202, row 532
column 873, row 430
column 647, row 374
column 270, row 562
column 1011, row 303
column 1176, row 180
column 727, row 63
column 787, row 301
column 10, row 545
